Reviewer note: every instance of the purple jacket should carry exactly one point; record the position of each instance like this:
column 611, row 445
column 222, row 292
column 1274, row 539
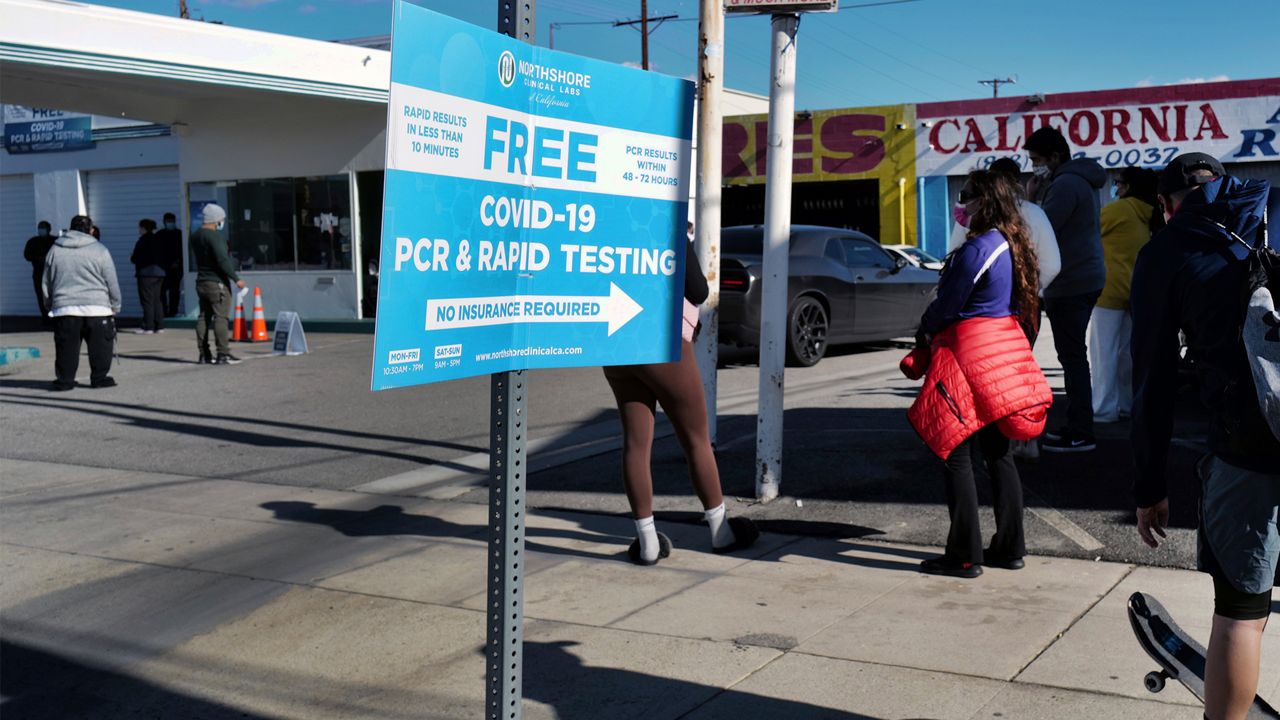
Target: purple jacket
column 977, row 281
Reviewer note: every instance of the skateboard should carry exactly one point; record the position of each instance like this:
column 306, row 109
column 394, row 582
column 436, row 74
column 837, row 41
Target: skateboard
column 1179, row 656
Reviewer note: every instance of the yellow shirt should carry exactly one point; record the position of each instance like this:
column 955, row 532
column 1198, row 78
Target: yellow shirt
column 1126, row 227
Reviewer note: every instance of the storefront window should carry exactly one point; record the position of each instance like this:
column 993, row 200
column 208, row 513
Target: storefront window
column 283, row 223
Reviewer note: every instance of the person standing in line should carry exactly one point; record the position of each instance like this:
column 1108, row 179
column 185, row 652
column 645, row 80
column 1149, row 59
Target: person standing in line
column 677, row 386
column 1127, row 224
column 215, row 273
column 983, row 386
column 35, row 251
column 170, row 240
column 1192, row 278
column 148, row 261
column 83, row 296
column 1048, row 261
column 1067, row 191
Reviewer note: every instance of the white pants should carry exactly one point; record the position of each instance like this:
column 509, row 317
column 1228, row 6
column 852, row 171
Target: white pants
column 1111, row 363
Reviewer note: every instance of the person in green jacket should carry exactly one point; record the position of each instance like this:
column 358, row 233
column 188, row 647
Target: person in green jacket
column 215, row 274
column 1127, row 224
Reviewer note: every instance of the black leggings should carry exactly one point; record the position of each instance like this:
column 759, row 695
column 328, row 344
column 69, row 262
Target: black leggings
column 964, row 542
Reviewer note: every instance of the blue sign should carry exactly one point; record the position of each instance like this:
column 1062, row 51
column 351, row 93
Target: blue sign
column 54, row 134
column 535, row 208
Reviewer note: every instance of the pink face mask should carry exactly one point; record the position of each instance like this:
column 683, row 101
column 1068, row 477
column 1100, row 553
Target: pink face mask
column 961, row 214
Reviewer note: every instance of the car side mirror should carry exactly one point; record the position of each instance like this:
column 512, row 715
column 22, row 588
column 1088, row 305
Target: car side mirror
column 899, row 263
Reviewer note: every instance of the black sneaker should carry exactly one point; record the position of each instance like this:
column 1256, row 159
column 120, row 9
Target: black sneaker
column 227, row 359
column 106, row 382
column 206, row 358
column 1069, row 443
column 1055, row 435
column 943, row 565
column 62, row 387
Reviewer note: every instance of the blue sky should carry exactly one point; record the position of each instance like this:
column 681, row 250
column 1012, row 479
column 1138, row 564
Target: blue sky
column 910, row 51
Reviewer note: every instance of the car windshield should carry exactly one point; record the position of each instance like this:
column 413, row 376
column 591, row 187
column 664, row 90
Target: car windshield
column 920, row 255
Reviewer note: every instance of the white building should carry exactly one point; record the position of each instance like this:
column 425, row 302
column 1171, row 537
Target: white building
column 285, row 133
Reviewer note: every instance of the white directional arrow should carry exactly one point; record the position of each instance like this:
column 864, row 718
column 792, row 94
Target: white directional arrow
column 617, row 309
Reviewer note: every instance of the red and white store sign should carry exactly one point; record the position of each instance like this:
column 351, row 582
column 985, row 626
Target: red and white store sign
column 1143, row 134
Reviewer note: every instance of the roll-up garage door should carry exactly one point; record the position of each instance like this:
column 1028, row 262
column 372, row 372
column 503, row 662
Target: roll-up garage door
column 118, row 199
column 17, row 225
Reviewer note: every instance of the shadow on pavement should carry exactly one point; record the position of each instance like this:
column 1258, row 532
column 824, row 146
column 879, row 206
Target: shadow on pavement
column 555, row 676
column 386, row 520
column 65, row 401
column 38, row 685
column 215, row 429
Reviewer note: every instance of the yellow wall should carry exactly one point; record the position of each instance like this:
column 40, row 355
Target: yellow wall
column 848, row 144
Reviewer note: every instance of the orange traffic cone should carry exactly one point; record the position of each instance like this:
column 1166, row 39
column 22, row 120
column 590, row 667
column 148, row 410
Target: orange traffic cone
column 259, row 332
column 239, row 332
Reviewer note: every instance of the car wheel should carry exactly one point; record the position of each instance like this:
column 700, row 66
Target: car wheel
column 807, row 327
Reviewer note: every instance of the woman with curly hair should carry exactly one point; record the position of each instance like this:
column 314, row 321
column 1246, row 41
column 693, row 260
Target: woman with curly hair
column 983, row 386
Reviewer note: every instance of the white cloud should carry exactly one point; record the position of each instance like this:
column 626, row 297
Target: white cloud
column 1151, row 82
column 1198, row 80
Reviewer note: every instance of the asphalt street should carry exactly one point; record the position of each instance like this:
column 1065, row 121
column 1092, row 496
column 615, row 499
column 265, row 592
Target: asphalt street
column 852, row 468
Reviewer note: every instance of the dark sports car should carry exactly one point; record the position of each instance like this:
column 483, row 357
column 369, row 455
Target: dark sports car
column 844, row 288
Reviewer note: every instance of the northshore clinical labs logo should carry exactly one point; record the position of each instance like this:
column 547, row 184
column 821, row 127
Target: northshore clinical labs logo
column 506, row 68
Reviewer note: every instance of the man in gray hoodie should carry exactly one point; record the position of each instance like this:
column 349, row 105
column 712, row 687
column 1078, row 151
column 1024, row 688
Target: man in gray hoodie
column 83, row 296
column 1067, row 191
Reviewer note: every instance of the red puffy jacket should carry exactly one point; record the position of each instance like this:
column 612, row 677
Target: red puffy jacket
column 981, row 371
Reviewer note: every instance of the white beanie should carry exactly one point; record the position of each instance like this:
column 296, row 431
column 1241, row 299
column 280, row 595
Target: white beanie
column 213, row 214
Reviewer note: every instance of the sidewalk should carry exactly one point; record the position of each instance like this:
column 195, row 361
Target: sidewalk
column 130, row 594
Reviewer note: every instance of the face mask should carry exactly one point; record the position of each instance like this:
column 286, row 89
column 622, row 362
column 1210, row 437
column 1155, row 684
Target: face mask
column 170, row 226
column 221, row 225
column 1114, row 192
column 961, row 214
column 1041, row 171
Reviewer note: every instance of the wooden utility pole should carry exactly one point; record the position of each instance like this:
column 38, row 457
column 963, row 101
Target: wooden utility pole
column 182, row 10
column 995, row 84
column 644, row 34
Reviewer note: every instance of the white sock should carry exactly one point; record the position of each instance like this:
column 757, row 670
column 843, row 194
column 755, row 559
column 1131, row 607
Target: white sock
column 648, row 534
column 721, row 533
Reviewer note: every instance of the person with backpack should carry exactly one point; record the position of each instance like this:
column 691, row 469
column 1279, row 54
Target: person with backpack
column 983, row 386
column 1196, row 276
column 1127, row 224
column 677, row 386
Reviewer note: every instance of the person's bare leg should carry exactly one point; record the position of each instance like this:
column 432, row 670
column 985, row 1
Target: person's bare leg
column 1231, row 668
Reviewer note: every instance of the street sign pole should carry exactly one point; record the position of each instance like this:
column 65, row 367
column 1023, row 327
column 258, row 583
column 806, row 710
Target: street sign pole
column 509, row 423
column 707, row 213
column 777, row 242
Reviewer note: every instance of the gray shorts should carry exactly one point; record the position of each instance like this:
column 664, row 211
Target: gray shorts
column 1239, row 536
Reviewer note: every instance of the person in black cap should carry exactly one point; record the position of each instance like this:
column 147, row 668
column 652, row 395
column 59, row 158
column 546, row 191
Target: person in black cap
column 37, row 248
column 1191, row 277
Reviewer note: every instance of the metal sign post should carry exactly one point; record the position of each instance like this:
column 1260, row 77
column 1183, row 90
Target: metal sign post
column 707, row 215
column 777, row 244
column 508, row 422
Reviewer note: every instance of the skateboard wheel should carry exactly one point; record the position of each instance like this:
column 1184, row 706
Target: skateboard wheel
column 1154, row 681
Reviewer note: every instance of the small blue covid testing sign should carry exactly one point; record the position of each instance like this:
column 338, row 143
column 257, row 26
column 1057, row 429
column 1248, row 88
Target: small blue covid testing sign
column 535, row 207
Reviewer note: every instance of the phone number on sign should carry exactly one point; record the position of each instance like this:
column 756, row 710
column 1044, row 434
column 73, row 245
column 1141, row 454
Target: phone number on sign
column 1152, row 157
